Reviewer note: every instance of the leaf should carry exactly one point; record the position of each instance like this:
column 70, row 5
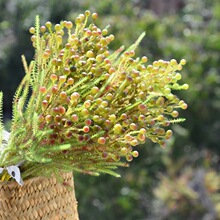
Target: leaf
column 108, row 171
column 177, row 120
column 137, row 42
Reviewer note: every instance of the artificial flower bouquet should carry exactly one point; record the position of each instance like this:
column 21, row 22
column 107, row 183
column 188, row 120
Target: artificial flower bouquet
column 82, row 107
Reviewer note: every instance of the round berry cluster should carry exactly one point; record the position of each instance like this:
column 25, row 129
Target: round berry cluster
column 93, row 106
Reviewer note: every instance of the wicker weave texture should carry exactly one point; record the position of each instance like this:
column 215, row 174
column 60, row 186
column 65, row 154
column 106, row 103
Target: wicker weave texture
column 39, row 198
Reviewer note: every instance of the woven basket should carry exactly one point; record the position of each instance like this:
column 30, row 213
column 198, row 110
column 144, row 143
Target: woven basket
column 39, row 198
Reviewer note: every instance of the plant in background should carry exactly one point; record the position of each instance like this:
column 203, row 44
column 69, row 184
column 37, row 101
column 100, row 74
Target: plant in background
column 190, row 194
column 81, row 107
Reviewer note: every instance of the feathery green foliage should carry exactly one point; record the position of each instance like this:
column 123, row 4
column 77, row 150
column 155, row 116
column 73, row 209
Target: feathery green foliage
column 80, row 107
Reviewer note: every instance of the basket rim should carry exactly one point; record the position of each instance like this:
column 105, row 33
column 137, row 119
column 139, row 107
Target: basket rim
column 28, row 181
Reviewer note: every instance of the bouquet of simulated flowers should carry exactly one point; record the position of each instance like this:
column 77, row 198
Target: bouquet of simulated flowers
column 81, row 107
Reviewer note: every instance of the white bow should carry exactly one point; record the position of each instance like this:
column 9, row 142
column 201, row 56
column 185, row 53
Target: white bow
column 13, row 170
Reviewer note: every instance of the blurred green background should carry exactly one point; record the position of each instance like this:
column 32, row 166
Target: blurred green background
column 177, row 183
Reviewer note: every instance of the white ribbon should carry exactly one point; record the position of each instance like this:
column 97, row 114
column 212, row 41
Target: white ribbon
column 6, row 136
column 13, row 170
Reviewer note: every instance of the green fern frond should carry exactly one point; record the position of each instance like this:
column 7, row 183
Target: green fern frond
column 93, row 173
column 112, row 165
column 35, row 125
column 37, row 34
column 31, row 70
column 137, row 42
column 108, row 171
column 20, row 99
column 177, row 120
column 25, row 65
column 38, row 54
column 34, row 70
